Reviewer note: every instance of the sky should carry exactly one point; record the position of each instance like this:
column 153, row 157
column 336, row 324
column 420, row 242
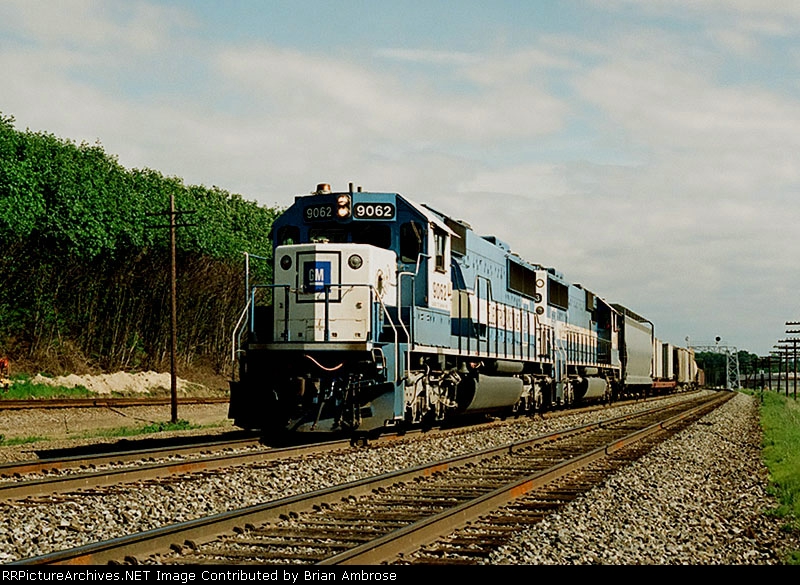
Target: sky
column 648, row 150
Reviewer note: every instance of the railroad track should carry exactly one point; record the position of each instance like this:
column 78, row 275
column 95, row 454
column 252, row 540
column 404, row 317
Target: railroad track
column 92, row 466
column 99, row 402
column 92, row 471
column 85, row 473
column 402, row 517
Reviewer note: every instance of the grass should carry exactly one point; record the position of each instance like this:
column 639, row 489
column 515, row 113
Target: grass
column 19, row 441
column 22, row 388
column 181, row 425
column 111, row 433
column 780, row 420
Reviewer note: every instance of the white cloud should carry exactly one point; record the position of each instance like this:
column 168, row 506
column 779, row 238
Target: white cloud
column 422, row 56
column 94, row 24
column 627, row 160
column 361, row 97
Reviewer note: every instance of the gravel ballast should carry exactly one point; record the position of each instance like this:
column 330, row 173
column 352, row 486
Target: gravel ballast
column 698, row 499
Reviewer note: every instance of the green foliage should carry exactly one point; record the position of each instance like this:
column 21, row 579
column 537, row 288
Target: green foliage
column 84, row 253
column 181, row 425
column 21, row 204
column 22, row 388
column 158, row 427
column 780, row 420
column 781, row 423
column 18, row 441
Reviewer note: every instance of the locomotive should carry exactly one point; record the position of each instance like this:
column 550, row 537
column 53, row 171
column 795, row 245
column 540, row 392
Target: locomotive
column 385, row 314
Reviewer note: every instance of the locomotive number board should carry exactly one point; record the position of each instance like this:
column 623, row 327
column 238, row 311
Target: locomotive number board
column 373, row 211
column 323, row 212
column 364, row 211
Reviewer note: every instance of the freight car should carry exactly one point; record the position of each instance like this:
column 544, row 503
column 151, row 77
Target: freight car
column 384, row 314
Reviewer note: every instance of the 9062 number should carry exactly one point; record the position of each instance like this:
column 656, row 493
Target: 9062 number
column 373, row 211
column 318, row 212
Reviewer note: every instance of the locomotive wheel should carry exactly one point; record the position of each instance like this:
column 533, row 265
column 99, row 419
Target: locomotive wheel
column 359, row 440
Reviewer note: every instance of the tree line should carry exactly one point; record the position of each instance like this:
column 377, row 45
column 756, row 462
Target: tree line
column 85, row 259
column 715, row 367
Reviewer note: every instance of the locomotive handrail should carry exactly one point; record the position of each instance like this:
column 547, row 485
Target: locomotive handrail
column 411, row 305
column 251, row 305
column 412, row 293
column 399, row 302
column 236, row 339
column 249, row 302
column 397, row 377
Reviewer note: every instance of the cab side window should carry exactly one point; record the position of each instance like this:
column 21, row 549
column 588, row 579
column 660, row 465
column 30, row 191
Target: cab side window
column 440, row 243
column 411, row 238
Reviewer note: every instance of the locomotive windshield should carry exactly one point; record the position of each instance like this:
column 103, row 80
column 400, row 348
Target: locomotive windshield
column 327, row 235
column 288, row 234
column 373, row 234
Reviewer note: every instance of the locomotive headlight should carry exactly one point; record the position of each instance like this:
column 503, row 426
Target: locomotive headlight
column 286, row 262
column 355, row 262
column 343, row 206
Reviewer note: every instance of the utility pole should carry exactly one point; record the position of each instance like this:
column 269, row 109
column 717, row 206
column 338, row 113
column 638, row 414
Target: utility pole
column 173, row 301
column 786, row 356
column 769, row 371
column 777, row 352
column 793, row 341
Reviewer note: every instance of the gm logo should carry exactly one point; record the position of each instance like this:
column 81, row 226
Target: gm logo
column 316, row 275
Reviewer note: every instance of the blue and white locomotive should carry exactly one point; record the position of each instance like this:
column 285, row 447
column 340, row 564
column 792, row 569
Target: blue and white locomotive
column 385, row 314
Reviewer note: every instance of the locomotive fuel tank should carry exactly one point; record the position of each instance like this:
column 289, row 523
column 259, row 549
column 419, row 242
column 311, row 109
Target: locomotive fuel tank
column 482, row 393
column 591, row 386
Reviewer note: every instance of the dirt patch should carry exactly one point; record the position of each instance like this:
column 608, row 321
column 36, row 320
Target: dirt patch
column 74, row 425
column 131, row 384
column 64, row 423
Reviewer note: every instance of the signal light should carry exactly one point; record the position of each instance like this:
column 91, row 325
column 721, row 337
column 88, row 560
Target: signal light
column 343, row 206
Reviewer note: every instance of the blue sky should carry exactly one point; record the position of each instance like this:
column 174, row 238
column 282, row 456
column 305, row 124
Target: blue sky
column 648, row 150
